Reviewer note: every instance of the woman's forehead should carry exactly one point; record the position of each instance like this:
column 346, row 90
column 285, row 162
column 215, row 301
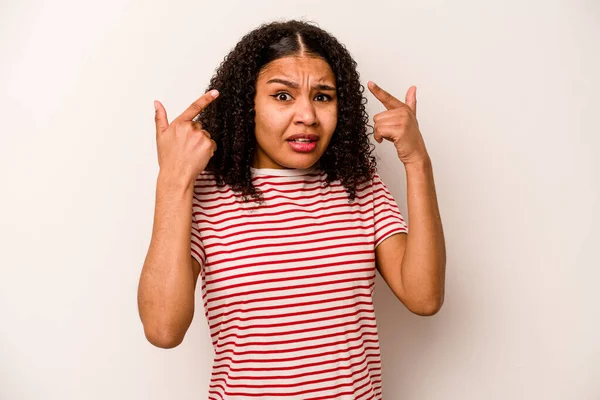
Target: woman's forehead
column 295, row 68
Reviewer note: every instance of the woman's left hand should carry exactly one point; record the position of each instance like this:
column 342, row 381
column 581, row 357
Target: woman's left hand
column 399, row 125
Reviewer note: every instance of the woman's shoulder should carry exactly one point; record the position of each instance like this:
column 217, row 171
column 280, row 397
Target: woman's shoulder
column 205, row 177
column 206, row 185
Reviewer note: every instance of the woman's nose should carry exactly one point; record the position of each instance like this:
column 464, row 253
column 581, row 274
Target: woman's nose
column 305, row 112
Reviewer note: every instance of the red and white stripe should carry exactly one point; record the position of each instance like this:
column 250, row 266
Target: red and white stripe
column 287, row 286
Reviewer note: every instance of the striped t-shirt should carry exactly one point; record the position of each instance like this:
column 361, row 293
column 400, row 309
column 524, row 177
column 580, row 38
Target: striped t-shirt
column 287, row 285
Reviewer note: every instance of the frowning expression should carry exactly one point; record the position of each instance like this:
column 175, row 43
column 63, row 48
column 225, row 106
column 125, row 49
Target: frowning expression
column 295, row 95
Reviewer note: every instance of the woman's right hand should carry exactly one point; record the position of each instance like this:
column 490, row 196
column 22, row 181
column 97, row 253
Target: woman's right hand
column 184, row 148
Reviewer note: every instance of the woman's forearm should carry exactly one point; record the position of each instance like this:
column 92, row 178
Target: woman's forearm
column 167, row 284
column 424, row 263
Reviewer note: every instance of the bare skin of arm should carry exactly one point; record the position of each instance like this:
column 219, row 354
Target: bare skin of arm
column 169, row 275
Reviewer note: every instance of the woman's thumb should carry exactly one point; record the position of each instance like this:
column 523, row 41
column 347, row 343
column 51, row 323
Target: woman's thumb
column 160, row 118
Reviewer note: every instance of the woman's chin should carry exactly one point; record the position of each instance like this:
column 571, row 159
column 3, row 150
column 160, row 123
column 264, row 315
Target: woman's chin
column 304, row 163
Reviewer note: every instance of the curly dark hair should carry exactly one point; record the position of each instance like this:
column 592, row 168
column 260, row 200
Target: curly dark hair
column 230, row 118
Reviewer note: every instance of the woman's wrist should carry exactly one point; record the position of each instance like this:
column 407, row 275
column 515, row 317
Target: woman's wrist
column 174, row 182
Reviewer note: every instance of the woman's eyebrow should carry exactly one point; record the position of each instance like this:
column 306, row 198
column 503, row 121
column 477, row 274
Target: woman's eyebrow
column 294, row 85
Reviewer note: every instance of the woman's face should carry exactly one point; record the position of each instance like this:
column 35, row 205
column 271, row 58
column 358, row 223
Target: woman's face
column 294, row 96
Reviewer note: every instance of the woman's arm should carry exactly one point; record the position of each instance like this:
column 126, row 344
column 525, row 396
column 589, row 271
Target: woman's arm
column 168, row 279
column 414, row 265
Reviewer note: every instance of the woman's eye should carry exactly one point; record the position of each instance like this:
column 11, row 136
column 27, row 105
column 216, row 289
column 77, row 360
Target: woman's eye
column 322, row 97
column 282, row 96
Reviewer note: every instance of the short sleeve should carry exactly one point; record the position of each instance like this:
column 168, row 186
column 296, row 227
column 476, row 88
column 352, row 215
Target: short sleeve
column 388, row 218
column 197, row 246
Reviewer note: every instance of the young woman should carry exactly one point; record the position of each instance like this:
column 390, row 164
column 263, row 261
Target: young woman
column 271, row 172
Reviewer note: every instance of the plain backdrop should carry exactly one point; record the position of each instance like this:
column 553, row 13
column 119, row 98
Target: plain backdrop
column 508, row 106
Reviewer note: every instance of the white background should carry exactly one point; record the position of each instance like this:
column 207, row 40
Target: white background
column 507, row 104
